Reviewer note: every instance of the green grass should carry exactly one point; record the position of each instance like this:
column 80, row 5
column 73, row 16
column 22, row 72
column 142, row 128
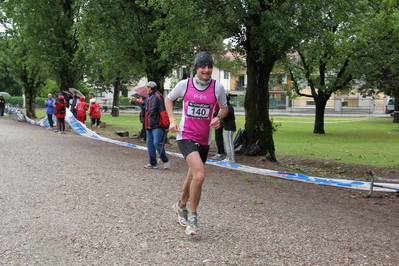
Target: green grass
column 350, row 140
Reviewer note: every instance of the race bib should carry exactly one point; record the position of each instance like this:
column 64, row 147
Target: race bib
column 198, row 110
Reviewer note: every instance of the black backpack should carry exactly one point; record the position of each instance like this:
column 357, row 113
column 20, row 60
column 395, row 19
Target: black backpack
column 62, row 110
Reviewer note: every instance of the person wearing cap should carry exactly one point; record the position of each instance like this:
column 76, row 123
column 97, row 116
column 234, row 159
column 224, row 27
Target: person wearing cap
column 60, row 113
column 81, row 109
column 55, row 104
column 156, row 123
column 91, row 95
column 200, row 96
column 95, row 114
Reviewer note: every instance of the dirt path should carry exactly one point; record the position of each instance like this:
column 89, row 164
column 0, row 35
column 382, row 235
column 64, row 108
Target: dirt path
column 70, row 200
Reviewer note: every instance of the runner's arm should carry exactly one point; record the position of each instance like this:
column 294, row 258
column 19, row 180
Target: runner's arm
column 173, row 126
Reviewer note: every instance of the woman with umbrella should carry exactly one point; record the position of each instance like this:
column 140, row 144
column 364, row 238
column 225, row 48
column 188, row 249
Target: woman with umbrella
column 142, row 94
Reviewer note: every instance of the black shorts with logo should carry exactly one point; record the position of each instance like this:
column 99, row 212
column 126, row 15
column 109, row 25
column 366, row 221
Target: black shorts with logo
column 188, row 146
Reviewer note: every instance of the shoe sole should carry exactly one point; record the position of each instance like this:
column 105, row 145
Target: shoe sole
column 153, row 167
column 192, row 233
column 178, row 217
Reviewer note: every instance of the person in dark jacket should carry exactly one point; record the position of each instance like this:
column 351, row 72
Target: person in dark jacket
column 218, row 138
column 156, row 123
column 141, row 103
column 229, row 125
column 73, row 102
column 2, row 106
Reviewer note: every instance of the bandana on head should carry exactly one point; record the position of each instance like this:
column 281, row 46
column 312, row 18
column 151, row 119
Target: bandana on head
column 203, row 59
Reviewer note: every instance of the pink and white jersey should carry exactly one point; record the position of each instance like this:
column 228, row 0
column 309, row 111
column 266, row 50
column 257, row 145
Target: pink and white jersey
column 198, row 112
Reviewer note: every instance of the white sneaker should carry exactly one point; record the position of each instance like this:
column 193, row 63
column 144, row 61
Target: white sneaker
column 150, row 166
column 192, row 228
column 217, row 157
column 166, row 165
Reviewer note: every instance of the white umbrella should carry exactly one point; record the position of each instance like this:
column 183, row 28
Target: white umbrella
column 4, row 94
column 77, row 92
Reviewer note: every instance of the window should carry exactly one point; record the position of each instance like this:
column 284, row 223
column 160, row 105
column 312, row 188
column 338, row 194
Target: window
column 100, row 93
column 226, row 74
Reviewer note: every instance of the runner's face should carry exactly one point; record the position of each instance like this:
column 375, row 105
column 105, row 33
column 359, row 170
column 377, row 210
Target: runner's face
column 204, row 73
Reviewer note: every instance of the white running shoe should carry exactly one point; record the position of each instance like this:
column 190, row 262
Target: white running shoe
column 192, row 228
column 181, row 214
column 166, row 165
column 150, row 166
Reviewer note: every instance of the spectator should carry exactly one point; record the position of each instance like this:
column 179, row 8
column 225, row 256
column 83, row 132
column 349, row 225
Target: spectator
column 81, row 109
column 50, row 110
column 141, row 103
column 218, row 138
column 2, row 106
column 156, row 123
column 73, row 102
column 95, row 114
column 60, row 113
column 56, row 101
column 229, row 124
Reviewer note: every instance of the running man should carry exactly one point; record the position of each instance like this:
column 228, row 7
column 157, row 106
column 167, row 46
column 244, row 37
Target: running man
column 200, row 95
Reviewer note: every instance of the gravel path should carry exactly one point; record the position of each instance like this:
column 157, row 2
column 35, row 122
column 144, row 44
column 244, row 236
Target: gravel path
column 71, row 200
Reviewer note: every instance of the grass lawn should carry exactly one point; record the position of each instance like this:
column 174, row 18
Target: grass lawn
column 351, row 140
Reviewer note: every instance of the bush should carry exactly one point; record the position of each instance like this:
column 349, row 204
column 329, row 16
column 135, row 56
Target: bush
column 39, row 103
column 18, row 100
column 15, row 100
column 124, row 100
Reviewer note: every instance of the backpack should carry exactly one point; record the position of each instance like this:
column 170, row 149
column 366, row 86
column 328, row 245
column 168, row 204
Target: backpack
column 254, row 149
column 240, row 139
column 62, row 110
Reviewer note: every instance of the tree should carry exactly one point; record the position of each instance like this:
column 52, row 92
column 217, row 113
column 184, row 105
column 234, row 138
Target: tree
column 263, row 31
column 50, row 37
column 381, row 63
column 333, row 58
column 23, row 68
column 7, row 82
column 122, row 37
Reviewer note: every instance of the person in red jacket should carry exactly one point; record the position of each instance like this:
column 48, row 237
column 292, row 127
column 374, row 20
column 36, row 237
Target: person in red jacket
column 81, row 109
column 60, row 113
column 95, row 114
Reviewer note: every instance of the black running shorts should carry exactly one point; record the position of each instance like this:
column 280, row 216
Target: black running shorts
column 188, row 146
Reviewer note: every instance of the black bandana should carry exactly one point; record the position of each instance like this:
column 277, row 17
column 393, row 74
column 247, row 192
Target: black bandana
column 203, row 59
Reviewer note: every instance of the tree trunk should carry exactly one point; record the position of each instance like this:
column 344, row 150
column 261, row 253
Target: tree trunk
column 258, row 125
column 115, row 106
column 396, row 109
column 319, row 120
column 30, row 96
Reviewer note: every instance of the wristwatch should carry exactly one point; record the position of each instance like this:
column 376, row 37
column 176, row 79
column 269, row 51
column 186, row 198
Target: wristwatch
column 220, row 118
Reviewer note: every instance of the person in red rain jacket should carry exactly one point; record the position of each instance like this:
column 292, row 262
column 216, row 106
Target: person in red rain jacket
column 60, row 113
column 81, row 109
column 95, row 114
